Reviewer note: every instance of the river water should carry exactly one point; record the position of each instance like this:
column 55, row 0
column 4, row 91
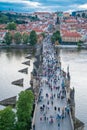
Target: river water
column 77, row 61
column 10, row 63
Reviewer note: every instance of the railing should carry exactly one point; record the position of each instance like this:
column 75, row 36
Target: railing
column 72, row 123
column 33, row 120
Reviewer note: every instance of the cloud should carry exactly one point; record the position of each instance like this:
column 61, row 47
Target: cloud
column 78, row 7
column 29, row 3
column 84, row 6
column 34, row 5
column 48, row 8
column 44, row 5
column 70, row 11
column 11, row 1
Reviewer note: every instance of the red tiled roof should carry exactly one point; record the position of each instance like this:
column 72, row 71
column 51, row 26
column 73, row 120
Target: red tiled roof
column 71, row 20
column 71, row 34
column 37, row 30
column 66, row 13
column 2, row 25
column 3, row 31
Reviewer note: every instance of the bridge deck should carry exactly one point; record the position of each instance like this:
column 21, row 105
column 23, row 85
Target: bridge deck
column 52, row 112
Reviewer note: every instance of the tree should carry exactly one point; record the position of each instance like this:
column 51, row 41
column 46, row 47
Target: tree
column 56, row 37
column 33, row 37
column 3, row 18
column 8, row 38
column 25, row 38
column 24, row 109
column 78, row 15
column 17, row 38
column 7, row 119
column 11, row 26
column 43, row 34
column 83, row 15
column 79, row 43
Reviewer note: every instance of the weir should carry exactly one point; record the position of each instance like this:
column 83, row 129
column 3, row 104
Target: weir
column 54, row 99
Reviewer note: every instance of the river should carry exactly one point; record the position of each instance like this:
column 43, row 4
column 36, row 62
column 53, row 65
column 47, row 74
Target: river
column 10, row 63
column 77, row 61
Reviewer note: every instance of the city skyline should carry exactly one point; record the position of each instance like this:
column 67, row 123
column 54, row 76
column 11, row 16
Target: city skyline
column 43, row 5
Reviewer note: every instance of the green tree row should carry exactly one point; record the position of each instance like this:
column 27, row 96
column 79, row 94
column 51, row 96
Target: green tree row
column 84, row 15
column 17, row 18
column 18, row 38
column 21, row 120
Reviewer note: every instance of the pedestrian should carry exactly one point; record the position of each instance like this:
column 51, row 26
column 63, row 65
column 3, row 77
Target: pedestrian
column 40, row 118
column 51, row 120
column 58, row 125
column 47, row 102
column 62, row 116
column 52, row 103
column 45, row 118
column 68, row 109
column 43, row 106
column 54, row 95
column 33, row 126
column 55, row 108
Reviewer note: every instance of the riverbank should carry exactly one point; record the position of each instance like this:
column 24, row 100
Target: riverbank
column 26, row 46
column 16, row 46
column 70, row 47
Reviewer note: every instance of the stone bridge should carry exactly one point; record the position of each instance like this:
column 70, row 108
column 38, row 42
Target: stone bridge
column 54, row 99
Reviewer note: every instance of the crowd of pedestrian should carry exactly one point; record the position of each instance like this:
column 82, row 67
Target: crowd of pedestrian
column 52, row 94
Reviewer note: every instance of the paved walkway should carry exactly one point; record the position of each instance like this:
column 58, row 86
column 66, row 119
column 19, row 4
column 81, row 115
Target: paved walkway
column 52, row 112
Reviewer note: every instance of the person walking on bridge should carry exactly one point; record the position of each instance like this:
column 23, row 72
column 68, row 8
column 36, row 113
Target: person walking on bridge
column 58, row 125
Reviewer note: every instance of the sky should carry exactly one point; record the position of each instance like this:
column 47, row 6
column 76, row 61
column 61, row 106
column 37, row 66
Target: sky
column 43, row 5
